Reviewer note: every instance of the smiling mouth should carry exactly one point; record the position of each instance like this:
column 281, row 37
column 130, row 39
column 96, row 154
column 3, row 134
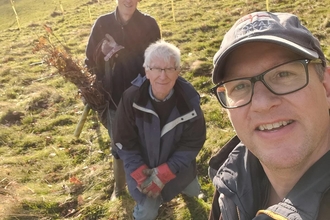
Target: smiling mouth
column 273, row 126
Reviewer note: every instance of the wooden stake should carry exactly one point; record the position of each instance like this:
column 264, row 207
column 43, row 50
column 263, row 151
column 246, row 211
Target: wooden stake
column 82, row 121
column 61, row 6
column 17, row 19
column 90, row 14
column 173, row 10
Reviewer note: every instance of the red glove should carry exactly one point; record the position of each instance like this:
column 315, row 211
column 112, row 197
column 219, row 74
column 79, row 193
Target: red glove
column 139, row 175
column 159, row 176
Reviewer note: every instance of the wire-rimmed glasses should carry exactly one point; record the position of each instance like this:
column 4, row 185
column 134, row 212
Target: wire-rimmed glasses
column 168, row 70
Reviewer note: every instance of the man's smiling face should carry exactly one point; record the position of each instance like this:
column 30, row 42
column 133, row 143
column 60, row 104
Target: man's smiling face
column 127, row 8
column 283, row 131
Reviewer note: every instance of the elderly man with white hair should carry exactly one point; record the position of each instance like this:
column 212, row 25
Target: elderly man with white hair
column 160, row 131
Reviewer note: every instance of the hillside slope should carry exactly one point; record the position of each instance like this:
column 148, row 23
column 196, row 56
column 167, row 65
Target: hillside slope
column 48, row 173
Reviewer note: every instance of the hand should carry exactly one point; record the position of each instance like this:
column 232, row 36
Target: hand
column 108, row 44
column 109, row 47
column 139, row 175
column 158, row 177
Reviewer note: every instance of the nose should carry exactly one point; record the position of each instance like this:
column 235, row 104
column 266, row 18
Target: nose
column 262, row 98
column 163, row 74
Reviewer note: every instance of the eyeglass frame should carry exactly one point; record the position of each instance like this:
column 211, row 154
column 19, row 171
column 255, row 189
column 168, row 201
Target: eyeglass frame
column 260, row 77
column 164, row 69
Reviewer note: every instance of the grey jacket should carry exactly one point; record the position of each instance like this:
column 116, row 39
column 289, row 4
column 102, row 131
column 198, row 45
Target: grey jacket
column 242, row 188
column 140, row 140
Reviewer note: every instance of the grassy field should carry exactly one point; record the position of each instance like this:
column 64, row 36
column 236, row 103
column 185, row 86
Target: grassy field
column 48, row 173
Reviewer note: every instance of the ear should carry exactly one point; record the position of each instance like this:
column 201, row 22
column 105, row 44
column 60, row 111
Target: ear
column 326, row 83
column 147, row 71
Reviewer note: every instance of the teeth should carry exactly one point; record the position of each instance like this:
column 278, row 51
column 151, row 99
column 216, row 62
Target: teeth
column 274, row 125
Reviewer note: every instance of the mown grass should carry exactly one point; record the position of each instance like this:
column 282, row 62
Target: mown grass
column 46, row 172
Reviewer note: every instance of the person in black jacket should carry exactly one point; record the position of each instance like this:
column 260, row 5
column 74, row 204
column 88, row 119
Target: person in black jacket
column 114, row 54
column 272, row 78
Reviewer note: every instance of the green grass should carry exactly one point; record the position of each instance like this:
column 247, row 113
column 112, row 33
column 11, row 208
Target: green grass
column 41, row 160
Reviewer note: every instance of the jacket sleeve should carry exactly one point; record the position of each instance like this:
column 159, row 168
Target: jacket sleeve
column 215, row 163
column 125, row 136
column 94, row 56
column 93, row 41
column 155, row 31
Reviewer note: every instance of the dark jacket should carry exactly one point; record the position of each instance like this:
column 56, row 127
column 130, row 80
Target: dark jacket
column 135, row 37
column 242, row 187
column 140, row 139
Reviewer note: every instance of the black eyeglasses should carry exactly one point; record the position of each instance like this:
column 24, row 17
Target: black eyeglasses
column 283, row 79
